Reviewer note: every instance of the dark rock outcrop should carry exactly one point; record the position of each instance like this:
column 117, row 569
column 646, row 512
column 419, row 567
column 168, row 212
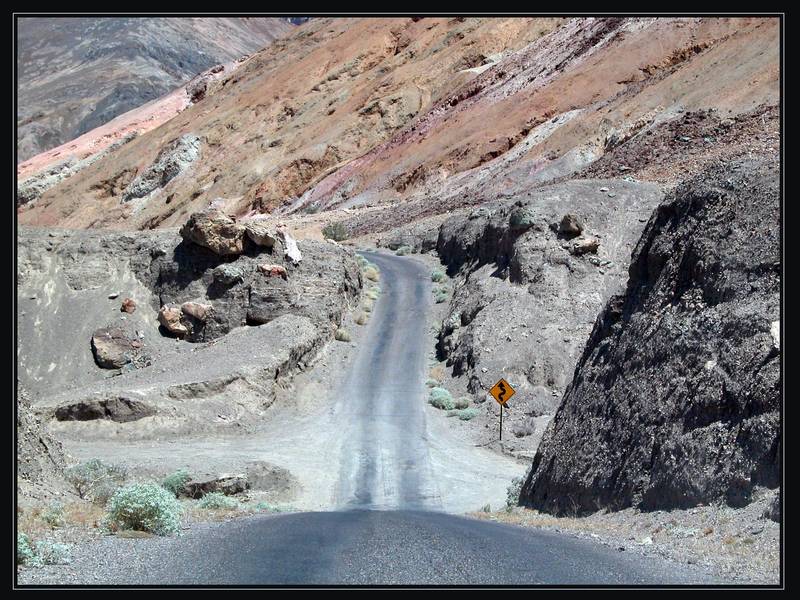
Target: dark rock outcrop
column 111, row 347
column 676, row 399
column 120, row 410
column 224, row 484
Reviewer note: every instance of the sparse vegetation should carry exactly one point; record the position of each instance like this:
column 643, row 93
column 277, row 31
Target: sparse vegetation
column 217, row 501
column 466, row 414
column 361, row 318
column 373, row 293
column 335, row 231
column 437, row 276
column 513, row 491
column 267, row 507
column 342, row 335
column 144, row 507
column 94, row 480
column 440, row 295
column 372, row 273
column 403, row 250
column 432, row 383
column 49, row 552
column 441, row 398
column 367, row 306
column 26, row 555
column 175, row 482
column 53, row 515
column 487, row 508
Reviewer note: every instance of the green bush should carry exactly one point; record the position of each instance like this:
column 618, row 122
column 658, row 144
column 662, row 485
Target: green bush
column 431, row 383
column 94, row 480
column 335, row 231
column 441, row 398
column 175, row 482
column 440, row 295
column 26, row 555
column 144, row 507
column 464, row 414
column 342, row 335
column 53, row 553
column 367, row 305
column 361, row 318
column 513, row 491
column 403, row 250
column 438, row 276
column 373, row 294
column 53, row 515
column 43, row 552
column 218, row 501
column 267, row 507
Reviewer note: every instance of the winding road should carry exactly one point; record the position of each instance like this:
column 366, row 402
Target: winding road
column 391, row 524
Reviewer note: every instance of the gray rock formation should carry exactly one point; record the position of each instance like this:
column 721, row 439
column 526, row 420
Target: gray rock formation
column 40, row 458
column 30, row 189
column 523, row 303
column 173, row 159
column 676, row 398
column 111, row 347
column 224, row 484
column 70, row 283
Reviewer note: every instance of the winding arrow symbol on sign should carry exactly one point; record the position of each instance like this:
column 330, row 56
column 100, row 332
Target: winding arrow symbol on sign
column 503, row 392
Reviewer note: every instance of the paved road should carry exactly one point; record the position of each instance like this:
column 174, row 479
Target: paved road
column 385, row 458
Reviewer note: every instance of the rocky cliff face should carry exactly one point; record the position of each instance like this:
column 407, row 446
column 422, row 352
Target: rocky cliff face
column 676, row 399
column 40, row 458
column 77, row 73
column 532, row 275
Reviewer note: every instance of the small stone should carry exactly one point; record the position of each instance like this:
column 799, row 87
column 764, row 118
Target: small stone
column 273, row 271
column 113, row 296
column 570, row 225
column 170, row 318
column 128, row 306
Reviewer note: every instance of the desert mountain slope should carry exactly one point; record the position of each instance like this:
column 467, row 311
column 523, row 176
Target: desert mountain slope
column 423, row 116
column 77, row 73
column 292, row 114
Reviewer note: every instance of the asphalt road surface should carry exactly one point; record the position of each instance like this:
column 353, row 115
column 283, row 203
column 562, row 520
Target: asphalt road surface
column 389, row 527
column 385, row 459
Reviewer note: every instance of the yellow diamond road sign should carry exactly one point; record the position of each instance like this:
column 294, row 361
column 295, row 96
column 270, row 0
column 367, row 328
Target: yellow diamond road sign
column 502, row 391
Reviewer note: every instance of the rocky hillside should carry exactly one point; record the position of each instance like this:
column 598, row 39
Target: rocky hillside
column 122, row 328
column 77, row 73
column 675, row 401
column 392, row 113
column 40, row 458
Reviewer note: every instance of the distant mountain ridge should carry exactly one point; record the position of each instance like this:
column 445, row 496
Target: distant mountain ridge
column 76, row 73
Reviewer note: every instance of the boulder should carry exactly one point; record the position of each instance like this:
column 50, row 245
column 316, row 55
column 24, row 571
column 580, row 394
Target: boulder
column 170, row 318
column 570, row 226
column 111, row 347
column 197, row 310
column 260, row 234
column 128, row 306
column 224, row 484
column 584, row 245
column 227, row 274
column 215, row 230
